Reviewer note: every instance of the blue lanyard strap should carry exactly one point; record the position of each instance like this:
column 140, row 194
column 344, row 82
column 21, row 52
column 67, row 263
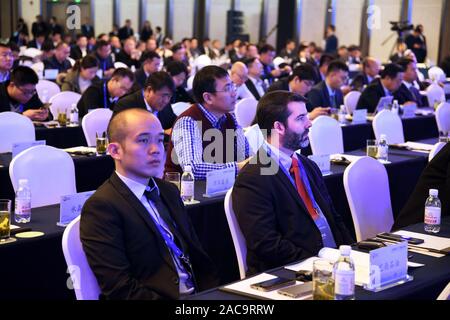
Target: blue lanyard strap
column 105, row 103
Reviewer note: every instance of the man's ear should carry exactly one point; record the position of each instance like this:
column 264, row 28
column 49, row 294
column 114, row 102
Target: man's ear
column 279, row 128
column 114, row 150
column 207, row 97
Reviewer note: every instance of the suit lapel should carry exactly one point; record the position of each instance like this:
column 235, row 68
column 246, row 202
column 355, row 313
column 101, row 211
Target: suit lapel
column 326, row 95
column 251, row 87
column 145, row 215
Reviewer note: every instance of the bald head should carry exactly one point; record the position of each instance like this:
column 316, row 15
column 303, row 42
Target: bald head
column 239, row 73
column 123, row 122
column 371, row 66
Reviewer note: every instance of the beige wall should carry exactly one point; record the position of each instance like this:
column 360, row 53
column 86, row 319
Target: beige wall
column 272, row 21
column 313, row 21
column 428, row 13
column 129, row 9
column 156, row 13
column 252, row 14
column 183, row 19
column 103, row 10
column 218, row 19
column 348, row 20
column 30, row 11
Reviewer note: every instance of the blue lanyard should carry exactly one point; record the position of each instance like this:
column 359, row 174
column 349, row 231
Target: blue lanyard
column 104, row 66
column 105, row 104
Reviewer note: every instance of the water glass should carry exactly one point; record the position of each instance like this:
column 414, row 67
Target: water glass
column 444, row 137
column 323, row 282
column 173, row 177
column 5, row 219
column 372, row 148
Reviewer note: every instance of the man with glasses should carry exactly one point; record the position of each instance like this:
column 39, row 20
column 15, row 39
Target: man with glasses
column 6, row 62
column 105, row 94
column 328, row 93
column 201, row 135
column 156, row 95
column 300, row 82
column 19, row 95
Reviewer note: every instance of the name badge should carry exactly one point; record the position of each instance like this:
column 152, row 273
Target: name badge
column 388, row 266
column 218, row 182
column 71, row 206
column 22, row 146
column 323, row 162
column 51, row 74
column 359, row 116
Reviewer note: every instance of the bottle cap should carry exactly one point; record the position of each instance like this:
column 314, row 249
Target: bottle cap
column 434, row 192
column 383, row 137
column 23, row 182
column 187, row 168
column 395, row 101
column 345, row 250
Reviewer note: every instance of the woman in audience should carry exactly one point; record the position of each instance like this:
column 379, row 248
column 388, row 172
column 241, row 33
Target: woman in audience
column 82, row 75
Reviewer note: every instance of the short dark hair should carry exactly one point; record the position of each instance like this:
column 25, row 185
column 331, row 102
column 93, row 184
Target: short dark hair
column 123, row 73
column 88, row 62
column 248, row 62
column 303, row 72
column 177, row 46
column 159, row 80
column 332, row 27
column 101, row 44
column 404, row 63
column 353, row 48
column 205, row 81
column 273, row 107
column 22, row 76
column 266, row 48
column 325, row 59
column 6, row 46
column 149, row 55
column 80, row 35
column 337, row 65
column 175, row 68
column 391, row 71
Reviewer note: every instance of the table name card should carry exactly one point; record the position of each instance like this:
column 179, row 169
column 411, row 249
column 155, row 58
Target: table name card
column 51, row 74
column 323, row 162
column 218, row 182
column 22, row 146
column 71, row 206
column 359, row 116
column 409, row 111
column 388, row 267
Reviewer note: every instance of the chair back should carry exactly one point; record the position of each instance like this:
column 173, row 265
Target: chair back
column 255, row 138
column 435, row 94
column 180, row 107
column 445, row 294
column 50, row 173
column 31, row 52
column 351, row 101
column 245, row 111
column 325, row 136
column 46, row 90
column 366, row 185
column 436, row 74
column 118, row 65
column 62, row 102
column 435, row 150
column 240, row 246
column 95, row 122
column 15, row 128
column 390, row 124
column 84, row 282
column 443, row 117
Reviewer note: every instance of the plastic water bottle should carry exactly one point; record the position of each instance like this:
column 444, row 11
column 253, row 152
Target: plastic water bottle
column 341, row 114
column 344, row 275
column 395, row 107
column 187, row 185
column 433, row 212
column 383, row 148
column 23, row 202
column 74, row 119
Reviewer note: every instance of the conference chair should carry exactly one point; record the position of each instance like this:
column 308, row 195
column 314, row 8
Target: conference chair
column 435, row 94
column 325, row 136
column 62, row 102
column 245, row 111
column 351, row 101
column 390, row 124
column 46, row 90
column 180, row 107
column 254, row 137
column 95, row 122
column 118, row 65
column 436, row 149
column 443, row 117
column 15, row 128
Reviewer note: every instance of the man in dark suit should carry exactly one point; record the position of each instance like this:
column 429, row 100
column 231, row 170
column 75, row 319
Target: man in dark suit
column 435, row 176
column 417, row 42
column 156, row 95
column 280, row 199
column 39, row 27
column 321, row 69
column 54, row 27
column 371, row 69
column 328, row 93
column 87, row 30
column 270, row 73
column 19, row 95
column 129, row 54
column 391, row 79
column 38, row 41
column 135, row 231
column 150, row 63
column 408, row 93
column 126, row 31
column 331, row 42
column 59, row 60
column 255, row 85
column 105, row 61
column 300, row 82
column 105, row 94
column 80, row 49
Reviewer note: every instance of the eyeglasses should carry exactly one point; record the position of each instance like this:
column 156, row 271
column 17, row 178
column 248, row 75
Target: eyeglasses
column 27, row 92
column 308, row 83
column 230, row 87
column 7, row 55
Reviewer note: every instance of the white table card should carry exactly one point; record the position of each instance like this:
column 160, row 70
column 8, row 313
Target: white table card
column 71, row 206
column 22, row 146
column 409, row 111
column 51, row 74
column 218, row 182
column 359, row 116
column 388, row 267
column 323, row 162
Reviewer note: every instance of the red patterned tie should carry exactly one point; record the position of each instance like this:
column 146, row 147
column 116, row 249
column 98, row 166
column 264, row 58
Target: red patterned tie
column 295, row 170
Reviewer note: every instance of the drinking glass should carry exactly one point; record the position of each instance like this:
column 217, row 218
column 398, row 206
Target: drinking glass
column 372, row 148
column 173, row 177
column 100, row 145
column 5, row 219
column 323, row 282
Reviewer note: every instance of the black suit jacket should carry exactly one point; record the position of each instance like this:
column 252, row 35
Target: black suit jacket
column 76, row 54
column 359, row 81
column 125, row 33
column 6, row 100
column 124, row 57
column 371, row 96
column 251, row 87
column 94, row 98
column 319, row 96
column 87, row 30
column 141, row 77
column 435, row 176
column 125, row 250
column 274, row 220
column 279, row 85
column 403, row 94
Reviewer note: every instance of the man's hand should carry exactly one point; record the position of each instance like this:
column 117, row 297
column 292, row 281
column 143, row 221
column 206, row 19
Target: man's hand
column 319, row 111
column 36, row 114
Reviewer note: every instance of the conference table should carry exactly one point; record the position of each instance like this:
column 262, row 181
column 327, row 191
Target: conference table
column 37, row 269
column 427, row 284
column 61, row 137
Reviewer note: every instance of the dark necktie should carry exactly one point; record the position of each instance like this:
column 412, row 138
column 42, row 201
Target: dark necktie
column 416, row 95
column 333, row 100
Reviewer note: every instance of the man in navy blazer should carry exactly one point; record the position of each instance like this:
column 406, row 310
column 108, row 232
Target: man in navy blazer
column 279, row 224
column 328, row 93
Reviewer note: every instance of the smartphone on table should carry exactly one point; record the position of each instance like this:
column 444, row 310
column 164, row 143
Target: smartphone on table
column 273, row 284
column 298, row 291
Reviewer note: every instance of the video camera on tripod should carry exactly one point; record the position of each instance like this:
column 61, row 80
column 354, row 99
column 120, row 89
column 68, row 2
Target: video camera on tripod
column 401, row 26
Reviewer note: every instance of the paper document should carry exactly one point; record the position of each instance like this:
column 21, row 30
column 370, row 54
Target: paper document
column 416, row 146
column 81, row 149
column 243, row 287
column 433, row 242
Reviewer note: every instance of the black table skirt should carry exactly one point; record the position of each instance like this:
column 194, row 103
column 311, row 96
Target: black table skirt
column 63, row 138
column 47, row 278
